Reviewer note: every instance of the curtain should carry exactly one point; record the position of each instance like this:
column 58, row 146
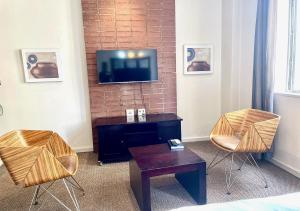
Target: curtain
column 264, row 54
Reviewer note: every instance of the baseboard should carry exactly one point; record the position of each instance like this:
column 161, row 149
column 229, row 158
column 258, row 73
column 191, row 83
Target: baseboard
column 195, row 139
column 286, row 167
column 83, row 149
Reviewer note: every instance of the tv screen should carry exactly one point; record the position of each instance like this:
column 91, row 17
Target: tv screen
column 123, row 66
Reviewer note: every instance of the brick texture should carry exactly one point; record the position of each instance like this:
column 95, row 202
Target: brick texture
column 131, row 24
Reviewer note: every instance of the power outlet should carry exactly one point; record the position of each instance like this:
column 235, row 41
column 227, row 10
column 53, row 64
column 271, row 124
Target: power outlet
column 129, row 112
column 130, row 118
column 141, row 112
column 141, row 118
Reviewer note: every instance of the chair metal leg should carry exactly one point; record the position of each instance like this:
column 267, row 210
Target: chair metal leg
column 72, row 196
column 259, row 170
column 34, row 196
column 39, row 196
column 243, row 161
column 70, row 190
column 228, row 177
column 76, row 184
column 35, row 202
column 212, row 164
column 215, row 157
column 59, row 201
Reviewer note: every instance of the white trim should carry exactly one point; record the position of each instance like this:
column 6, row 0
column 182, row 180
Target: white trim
column 83, row 149
column 288, row 94
column 1, row 163
column 286, row 167
column 195, row 139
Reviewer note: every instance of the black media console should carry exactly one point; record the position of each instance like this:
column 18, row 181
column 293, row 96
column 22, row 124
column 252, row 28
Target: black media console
column 116, row 134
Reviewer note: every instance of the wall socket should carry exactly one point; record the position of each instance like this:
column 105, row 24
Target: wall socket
column 129, row 112
column 130, row 118
column 141, row 112
column 142, row 118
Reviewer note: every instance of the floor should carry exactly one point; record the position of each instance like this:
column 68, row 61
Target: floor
column 107, row 187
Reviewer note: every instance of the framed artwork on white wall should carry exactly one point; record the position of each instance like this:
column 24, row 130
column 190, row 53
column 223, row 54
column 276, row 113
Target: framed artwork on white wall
column 41, row 65
column 198, row 59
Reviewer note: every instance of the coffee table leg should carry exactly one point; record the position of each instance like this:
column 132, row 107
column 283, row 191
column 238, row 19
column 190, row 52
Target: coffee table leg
column 140, row 185
column 195, row 183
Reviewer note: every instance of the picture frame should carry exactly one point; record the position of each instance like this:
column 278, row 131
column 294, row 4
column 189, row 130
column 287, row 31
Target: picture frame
column 42, row 65
column 198, row 59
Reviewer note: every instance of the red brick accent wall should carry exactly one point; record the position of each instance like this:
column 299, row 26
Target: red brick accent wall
column 131, row 24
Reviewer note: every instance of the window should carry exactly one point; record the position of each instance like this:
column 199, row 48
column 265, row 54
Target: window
column 287, row 66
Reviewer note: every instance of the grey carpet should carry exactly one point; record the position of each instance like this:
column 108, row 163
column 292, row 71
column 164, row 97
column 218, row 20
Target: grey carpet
column 107, row 187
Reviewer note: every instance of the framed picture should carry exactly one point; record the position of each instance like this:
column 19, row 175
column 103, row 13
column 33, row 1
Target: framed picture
column 198, row 59
column 41, row 65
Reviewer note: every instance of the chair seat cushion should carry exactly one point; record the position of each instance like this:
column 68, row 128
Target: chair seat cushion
column 228, row 142
column 70, row 163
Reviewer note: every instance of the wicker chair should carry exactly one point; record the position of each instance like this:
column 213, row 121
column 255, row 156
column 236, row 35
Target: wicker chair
column 35, row 157
column 242, row 133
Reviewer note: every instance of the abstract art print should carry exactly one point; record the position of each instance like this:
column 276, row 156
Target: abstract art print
column 198, row 59
column 41, row 65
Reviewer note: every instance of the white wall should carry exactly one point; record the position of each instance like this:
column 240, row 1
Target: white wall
column 238, row 33
column 198, row 96
column 287, row 142
column 230, row 27
column 228, row 16
column 59, row 106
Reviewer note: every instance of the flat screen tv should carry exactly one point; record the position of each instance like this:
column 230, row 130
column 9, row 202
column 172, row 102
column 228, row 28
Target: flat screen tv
column 125, row 66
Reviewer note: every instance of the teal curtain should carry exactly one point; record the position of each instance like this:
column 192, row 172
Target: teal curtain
column 264, row 47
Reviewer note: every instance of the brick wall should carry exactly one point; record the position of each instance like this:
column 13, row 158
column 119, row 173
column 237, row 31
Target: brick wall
column 131, row 24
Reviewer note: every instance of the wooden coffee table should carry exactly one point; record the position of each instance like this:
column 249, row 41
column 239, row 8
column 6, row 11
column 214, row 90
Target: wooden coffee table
column 155, row 160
